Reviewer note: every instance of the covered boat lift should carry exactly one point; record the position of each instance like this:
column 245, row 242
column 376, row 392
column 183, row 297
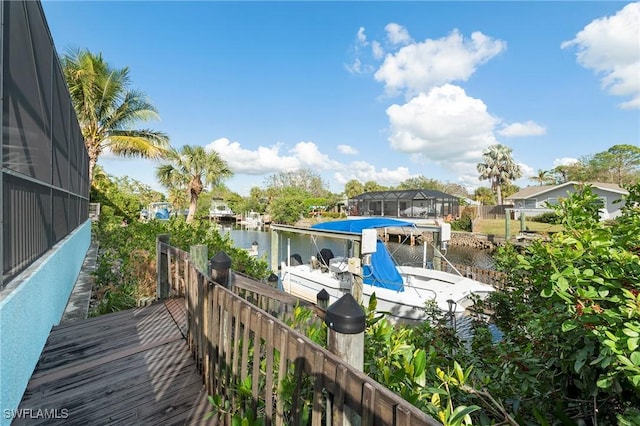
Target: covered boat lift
column 441, row 233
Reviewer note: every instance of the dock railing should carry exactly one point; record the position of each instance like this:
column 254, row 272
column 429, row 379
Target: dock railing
column 253, row 362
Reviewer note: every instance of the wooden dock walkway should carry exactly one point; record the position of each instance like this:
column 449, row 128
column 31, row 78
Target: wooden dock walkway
column 131, row 367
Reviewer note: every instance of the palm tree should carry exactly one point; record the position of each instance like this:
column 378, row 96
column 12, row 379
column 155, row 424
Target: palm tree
column 499, row 168
column 542, row 177
column 192, row 168
column 106, row 109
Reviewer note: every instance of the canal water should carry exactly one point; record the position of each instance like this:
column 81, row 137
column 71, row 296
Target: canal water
column 303, row 245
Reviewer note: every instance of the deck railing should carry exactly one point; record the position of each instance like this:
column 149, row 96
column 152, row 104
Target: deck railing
column 253, row 362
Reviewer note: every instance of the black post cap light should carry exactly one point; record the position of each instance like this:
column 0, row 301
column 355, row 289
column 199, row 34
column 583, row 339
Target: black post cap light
column 346, row 316
column 219, row 261
column 322, row 296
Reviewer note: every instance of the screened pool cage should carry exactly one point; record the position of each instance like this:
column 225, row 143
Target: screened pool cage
column 414, row 203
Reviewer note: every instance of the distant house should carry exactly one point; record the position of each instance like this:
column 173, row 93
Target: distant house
column 534, row 199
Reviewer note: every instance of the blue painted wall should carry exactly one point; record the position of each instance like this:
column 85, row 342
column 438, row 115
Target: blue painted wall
column 29, row 307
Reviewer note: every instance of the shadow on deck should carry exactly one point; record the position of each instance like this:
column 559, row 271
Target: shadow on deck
column 130, row 367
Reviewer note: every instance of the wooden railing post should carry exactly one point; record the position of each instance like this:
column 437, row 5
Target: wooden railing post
column 199, row 255
column 346, row 322
column 162, row 267
column 220, row 269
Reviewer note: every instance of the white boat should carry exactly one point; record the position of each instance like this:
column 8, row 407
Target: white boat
column 401, row 291
column 252, row 220
column 220, row 210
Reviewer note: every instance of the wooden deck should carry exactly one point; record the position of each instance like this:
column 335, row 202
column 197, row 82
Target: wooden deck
column 130, row 367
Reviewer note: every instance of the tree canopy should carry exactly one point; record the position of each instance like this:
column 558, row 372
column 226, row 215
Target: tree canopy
column 191, row 169
column 291, row 195
column 499, row 168
column 107, row 110
column 620, row 164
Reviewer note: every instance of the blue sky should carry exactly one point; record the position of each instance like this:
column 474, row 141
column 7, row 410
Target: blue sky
column 380, row 91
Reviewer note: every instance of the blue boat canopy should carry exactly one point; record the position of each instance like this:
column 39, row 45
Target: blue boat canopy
column 357, row 225
column 382, row 272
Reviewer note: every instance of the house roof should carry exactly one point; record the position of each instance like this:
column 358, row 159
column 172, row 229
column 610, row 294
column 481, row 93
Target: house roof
column 534, row 191
column 409, row 194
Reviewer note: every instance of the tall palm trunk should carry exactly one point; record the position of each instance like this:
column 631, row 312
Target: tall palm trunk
column 93, row 150
column 193, row 203
column 195, row 189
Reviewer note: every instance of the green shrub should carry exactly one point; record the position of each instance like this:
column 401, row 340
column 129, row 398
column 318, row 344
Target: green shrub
column 465, row 222
column 546, row 217
column 126, row 261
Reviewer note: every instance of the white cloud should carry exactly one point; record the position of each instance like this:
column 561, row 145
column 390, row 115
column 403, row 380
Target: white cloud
column 347, row 150
column 611, row 47
column 355, row 67
column 266, row 160
column 397, row 34
column 527, row 171
column 309, row 156
column 470, row 181
column 444, row 126
column 364, row 172
column 564, row 161
column 528, row 128
column 377, row 50
column 419, row 67
column 361, row 37
column 252, row 162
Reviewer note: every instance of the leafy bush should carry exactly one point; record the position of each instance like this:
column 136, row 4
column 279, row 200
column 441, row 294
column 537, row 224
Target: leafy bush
column 465, row 222
column 546, row 217
column 126, row 262
column 333, row 215
column 289, row 207
column 571, row 320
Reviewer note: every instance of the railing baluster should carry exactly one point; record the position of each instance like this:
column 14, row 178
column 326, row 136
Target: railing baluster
column 368, row 404
column 235, row 353
column 282, row 370
column 296, row 407
column 227, row 312
column 318, row 385
column 256, row 325
column 246, row 323
column 339, row 397
column 216, row 336
column 268, row 389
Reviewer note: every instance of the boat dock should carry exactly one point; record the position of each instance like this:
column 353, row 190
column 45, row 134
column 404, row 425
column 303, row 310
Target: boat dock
column 129, row 367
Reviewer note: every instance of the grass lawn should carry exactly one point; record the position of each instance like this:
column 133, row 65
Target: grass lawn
column 497, row 227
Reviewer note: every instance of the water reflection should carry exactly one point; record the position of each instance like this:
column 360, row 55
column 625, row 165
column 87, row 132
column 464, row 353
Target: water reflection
column 301, row 244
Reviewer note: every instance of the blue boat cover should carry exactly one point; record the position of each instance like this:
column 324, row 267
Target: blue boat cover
column 357, row 225
column 162, row 214
column 382, row 272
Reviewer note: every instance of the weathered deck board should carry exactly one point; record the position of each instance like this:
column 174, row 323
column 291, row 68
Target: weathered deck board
column 130, row 367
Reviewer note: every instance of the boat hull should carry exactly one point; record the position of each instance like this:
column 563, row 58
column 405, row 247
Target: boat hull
column 421, row 287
